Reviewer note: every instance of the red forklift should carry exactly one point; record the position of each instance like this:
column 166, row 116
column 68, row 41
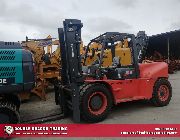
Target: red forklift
column 89, row 92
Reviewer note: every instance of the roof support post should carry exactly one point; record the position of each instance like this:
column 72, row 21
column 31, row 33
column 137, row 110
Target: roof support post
column 168, row 49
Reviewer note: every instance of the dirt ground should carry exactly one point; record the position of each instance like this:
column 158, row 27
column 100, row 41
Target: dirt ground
column 36, row 108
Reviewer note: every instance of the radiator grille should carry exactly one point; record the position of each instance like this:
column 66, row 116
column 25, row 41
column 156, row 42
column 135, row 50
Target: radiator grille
column 11, row 64
column 7, row 74
column 7, row 69
column 7, row 52
column 7, row 55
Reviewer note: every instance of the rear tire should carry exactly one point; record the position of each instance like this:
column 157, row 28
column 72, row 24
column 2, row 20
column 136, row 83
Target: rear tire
column 9, row 113
column 162, row 93
column 96, row 102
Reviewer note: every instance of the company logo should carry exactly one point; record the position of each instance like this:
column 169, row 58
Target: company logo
column 37, row 130
column 3, row 81
column 8, row 130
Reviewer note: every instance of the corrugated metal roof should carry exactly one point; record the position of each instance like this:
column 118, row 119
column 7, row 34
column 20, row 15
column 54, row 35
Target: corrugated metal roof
column 166, row 34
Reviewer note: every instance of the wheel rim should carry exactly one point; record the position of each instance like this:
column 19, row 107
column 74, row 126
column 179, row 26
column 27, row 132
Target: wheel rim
column 97, row 103
column 163, row 93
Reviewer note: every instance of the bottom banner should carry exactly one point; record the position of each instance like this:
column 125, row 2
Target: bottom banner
column 89, row 130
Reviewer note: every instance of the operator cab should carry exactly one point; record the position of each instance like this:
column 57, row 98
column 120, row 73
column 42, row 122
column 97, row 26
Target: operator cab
column 117, row 70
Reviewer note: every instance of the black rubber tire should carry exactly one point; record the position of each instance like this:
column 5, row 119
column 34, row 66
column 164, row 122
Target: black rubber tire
column 155, row 100
column 85, row 93
column 9, row 110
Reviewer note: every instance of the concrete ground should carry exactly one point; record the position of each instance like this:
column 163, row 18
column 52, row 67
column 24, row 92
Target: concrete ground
column 125, row 113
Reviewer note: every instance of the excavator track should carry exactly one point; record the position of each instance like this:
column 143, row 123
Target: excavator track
column 9, row 113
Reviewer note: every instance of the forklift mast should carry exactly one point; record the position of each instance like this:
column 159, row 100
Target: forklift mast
column 70, row 40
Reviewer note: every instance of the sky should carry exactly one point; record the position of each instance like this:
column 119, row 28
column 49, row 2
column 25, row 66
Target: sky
column 39, row 18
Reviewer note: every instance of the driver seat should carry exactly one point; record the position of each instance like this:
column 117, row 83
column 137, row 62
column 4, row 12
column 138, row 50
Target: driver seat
column 116, row 62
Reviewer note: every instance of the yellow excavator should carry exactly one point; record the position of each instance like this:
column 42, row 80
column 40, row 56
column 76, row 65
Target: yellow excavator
column 46, row 63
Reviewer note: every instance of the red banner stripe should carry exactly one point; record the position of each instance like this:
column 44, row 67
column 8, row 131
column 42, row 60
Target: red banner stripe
column 90, row 130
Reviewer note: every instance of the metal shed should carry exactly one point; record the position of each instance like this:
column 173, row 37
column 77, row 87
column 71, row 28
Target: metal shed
column 167, row 44
column 165, row 47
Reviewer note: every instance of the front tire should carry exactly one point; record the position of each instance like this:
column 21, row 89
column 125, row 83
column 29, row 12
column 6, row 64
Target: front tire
column 96, row 102
column 9, row 113
column 162, row 93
